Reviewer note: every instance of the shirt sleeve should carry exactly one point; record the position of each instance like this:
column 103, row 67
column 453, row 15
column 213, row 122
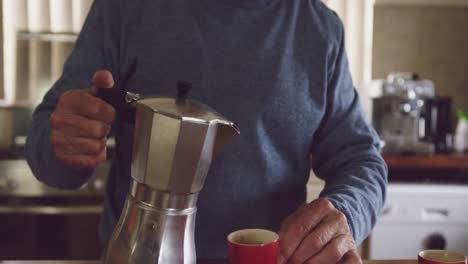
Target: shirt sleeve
column 346, row 153
column 92, row 52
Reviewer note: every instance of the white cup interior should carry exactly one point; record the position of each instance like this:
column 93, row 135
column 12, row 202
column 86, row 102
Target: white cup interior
column 442, row 256
column 252, row 237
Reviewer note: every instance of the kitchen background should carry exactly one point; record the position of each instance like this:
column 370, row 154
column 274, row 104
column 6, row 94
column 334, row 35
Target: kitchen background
column 428, row 192
column 430, row 40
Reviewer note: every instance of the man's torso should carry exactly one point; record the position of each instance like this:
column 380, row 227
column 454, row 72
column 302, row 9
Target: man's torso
column 265, row 68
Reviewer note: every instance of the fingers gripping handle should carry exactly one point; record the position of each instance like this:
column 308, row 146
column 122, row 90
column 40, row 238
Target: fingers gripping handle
column 121, row 100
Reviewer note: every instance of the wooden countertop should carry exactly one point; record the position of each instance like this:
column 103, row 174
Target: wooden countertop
column 436, row 161
column 97, row 262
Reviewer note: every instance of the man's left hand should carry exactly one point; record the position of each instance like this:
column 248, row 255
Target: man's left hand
column 317, row 233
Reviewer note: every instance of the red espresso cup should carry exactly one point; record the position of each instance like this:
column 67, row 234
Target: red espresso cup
column 253, row 246
column 441, row 257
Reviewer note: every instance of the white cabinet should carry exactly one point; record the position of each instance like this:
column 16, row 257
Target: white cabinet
column 314, row 187
column 421, row 216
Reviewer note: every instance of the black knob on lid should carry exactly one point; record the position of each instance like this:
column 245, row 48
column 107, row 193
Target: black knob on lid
column 183, row 88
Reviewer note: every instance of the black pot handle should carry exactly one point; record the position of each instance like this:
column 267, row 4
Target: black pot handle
column 121, row 100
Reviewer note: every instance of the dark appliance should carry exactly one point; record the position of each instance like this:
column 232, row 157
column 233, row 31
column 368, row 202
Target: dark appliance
column 438, row 123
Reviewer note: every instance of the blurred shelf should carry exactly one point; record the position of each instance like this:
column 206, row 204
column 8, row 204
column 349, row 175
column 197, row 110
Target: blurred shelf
column 47, row 36
column 437, row 161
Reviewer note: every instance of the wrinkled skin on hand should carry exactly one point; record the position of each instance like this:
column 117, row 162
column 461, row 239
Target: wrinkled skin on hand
column 80, row 124
column 317, row 233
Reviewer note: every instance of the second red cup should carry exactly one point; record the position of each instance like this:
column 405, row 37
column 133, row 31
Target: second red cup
column 441, row 257
column 253, row 246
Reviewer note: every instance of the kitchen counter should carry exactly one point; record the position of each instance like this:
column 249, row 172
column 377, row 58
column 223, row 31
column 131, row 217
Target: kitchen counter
column 97, row 262
column 436, row 161
column 443, row 168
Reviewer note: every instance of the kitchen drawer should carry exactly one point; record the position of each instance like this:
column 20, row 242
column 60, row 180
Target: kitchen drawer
column 421, row 216
column 420, row 203
column 404, row 241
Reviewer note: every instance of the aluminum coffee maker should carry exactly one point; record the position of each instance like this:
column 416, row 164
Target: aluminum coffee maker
column 175, row 140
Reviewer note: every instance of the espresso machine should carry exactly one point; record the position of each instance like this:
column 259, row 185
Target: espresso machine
column 175, row 140
column 410, row 118
column 398, row 114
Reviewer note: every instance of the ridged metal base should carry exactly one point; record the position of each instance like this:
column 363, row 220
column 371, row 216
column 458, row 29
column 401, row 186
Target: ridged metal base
column 162, row 200
column 154, row 227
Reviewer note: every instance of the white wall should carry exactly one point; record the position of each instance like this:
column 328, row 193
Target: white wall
column 358, row 19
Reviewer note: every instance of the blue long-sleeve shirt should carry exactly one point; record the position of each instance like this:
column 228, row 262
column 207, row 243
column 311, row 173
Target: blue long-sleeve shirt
column 277, row 68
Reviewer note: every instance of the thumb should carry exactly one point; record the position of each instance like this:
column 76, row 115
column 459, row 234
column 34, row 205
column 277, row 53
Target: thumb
column 102, row 79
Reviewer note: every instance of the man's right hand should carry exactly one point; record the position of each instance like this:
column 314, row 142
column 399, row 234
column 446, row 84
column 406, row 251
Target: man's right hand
column 80, row 124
